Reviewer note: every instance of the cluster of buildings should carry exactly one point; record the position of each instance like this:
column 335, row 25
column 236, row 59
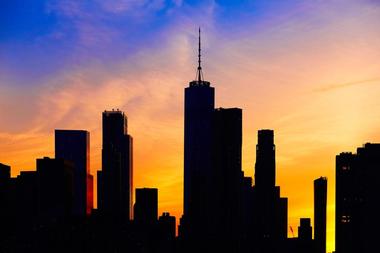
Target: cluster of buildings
column 42, row 210
column 223, row 210
column 51, row 209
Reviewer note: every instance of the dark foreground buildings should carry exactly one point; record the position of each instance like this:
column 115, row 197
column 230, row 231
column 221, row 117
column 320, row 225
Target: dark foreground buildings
column 40, row 198
column 357, row 197
column 222, row 210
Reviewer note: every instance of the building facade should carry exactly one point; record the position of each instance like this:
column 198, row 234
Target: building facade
column 116, row 184
column 74, row 146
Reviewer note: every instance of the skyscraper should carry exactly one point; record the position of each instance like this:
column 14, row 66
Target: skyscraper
column 5, row 178
column 27, row 193
column 305, row 230
column 55, row 182
column 270, row 210
column 146, row 206
column 117, row 167
column 100, row 185
column 227, row 175
column 74, row 146
column 357, row 194
column 199, row 106
column 167, row 226
column 5, row 173
column 265, row 168
column 320, row 204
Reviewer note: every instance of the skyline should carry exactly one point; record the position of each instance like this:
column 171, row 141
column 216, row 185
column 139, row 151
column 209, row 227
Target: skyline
column 254, row 67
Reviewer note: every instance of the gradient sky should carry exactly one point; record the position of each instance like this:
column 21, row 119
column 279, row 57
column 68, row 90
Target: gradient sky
column 310, row 70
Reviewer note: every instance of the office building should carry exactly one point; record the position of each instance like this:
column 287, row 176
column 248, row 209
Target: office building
column 227, row 175
column 74, row 146
column 305, row 230
column 265, row 167
column 270, row 210
column 56, row 189
column 146, row 206
column 320, row 212
column 117, row 167
column 199, row 107
column 356, row 199
column 167, row 226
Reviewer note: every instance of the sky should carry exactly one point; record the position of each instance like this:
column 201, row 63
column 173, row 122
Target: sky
column 310, row 70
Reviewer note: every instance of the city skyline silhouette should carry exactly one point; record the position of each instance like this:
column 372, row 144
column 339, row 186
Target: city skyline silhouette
column 223, row 210
column 320, row 116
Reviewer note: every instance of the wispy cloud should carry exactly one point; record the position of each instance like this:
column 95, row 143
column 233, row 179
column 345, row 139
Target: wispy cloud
column 348, row 84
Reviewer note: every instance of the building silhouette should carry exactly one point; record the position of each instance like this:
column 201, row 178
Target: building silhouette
column 167, row 225
column 27, row 208
column 265, row 167
column 305, row 230
column 116, row 177
column 100, row 187
column 5, row 173
column 74, row 146
column 320, row 212
column 222, row 210
column 56, row 189
column 356, row 197
column 146, row 205
column 166, row 233
column 270, row 210
column 199, row 107
column 36, row 199
column 5, row 178
column 227, row 173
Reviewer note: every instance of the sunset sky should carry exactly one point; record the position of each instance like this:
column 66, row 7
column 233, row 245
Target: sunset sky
column 310, row 70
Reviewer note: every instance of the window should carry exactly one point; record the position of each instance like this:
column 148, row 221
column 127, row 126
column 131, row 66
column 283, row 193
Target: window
column 346, row 219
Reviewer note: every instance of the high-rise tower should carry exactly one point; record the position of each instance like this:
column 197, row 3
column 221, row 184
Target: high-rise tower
column 227, row 174
column 74, row 146
column 265, row 168
column 357, row 194
column 270, row 210
column 320, row 205
column 117, row 168
column 199, row 106
column 146, row 206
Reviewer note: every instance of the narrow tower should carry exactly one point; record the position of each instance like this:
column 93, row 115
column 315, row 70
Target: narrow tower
column 320, row 205
column 199, row 106
column 116, row 177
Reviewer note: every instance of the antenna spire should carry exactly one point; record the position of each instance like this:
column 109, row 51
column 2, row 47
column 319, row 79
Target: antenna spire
column 199, row 71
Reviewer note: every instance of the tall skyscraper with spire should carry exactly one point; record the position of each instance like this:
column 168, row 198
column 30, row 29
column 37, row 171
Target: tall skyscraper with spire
column 199, row 106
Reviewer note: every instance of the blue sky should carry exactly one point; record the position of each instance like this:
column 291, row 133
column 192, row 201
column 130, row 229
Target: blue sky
column 39, row 38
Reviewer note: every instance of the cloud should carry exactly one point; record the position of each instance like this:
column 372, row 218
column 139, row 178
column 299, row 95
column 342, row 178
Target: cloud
column 132, row 6
column 348, row 84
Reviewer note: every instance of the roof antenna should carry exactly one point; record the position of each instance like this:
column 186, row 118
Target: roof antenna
column 199, row 71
